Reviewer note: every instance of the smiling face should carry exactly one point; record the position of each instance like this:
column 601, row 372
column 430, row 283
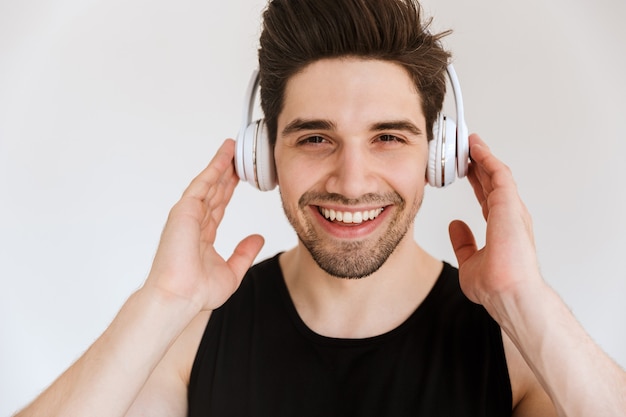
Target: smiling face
column 351, row 155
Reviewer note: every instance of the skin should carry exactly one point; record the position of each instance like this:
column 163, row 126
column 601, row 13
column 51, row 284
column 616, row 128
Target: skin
column 340, row 154
column 370, row 121
column 141, row 364
column 346, row 156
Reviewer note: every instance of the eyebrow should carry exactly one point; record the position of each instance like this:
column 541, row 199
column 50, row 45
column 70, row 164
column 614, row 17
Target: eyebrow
column 299, row 125
column 403, row 125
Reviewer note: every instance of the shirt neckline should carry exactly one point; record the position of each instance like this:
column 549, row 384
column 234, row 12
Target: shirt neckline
column 307, row 332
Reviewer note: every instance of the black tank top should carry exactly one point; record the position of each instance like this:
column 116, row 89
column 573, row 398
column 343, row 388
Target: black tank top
column 258, row 358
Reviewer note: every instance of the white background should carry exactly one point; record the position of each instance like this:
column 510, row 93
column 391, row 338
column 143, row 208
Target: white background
column 109, row 108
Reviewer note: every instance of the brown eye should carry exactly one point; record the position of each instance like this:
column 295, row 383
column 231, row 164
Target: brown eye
column 389, row 138
column 313, row 140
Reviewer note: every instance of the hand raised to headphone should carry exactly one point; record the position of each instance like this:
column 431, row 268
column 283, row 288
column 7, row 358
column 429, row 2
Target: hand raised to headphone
column 186, row 264
column 507, row 262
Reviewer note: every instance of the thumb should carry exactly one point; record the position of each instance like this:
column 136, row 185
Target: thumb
column 462, row 240
column 244, row 254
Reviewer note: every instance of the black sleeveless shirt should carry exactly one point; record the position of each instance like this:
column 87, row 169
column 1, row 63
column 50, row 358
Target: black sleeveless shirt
column 258, row 358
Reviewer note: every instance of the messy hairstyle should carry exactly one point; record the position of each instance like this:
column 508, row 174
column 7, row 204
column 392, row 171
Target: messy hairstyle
column 297, row 33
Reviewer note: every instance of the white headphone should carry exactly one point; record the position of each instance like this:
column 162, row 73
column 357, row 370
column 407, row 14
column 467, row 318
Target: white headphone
column 448, row 150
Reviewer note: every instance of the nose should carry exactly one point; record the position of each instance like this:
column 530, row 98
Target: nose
column 352, row 174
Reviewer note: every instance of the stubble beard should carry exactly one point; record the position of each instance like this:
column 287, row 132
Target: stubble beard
column 354, row 259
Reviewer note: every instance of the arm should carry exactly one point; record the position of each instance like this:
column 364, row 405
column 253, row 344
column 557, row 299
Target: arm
column 504, row 277
column 187, row 277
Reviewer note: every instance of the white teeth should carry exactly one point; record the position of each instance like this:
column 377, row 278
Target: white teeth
column 350, row 217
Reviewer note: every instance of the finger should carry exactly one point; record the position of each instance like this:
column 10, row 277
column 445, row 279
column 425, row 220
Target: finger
column 230, row 184
column 490, row 171
column 479, row 151
column 488, row 174
column 479, row 191
column 219, row 196
column 244, row 254
column 462, row 240
column 221, row 166
column 213, row 208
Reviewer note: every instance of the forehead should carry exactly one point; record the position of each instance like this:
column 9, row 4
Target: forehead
column 351, row 90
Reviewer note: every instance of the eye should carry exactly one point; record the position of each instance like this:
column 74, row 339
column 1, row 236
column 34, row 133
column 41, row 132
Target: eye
column 390, row 138
column 312, row 140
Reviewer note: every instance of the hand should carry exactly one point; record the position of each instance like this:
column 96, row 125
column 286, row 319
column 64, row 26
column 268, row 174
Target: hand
column 504, row 277
column 186, row 264
column 508, row 261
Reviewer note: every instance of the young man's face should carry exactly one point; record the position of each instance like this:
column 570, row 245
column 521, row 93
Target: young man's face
column 351, row 154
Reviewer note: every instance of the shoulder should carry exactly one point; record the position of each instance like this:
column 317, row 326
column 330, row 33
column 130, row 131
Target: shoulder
column 529, row 398
column 183, row 352
column 166, row 389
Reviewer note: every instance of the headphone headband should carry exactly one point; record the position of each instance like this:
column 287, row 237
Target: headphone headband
column 462, row 142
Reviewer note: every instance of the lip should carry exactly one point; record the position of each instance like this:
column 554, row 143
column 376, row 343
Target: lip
column 349, row 231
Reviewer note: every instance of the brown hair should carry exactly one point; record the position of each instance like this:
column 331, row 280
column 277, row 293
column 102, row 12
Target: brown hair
column 299, row 32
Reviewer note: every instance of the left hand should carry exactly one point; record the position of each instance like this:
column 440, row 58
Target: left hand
column 507, row 263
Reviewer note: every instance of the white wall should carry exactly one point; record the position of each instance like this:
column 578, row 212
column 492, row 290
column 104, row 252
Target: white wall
column 109, row 108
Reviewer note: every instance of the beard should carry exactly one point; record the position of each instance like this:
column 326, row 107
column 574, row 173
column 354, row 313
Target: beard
column 353, row 259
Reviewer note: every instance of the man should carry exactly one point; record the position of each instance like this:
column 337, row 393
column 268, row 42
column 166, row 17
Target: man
column 357, row 319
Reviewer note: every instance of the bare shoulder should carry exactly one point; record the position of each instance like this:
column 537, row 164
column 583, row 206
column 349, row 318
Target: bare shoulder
column 165, row 392
column 183, row 351
column 529, row 397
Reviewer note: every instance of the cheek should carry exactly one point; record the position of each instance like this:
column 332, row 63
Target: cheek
column 411, row 186
column 293, row 181
column 296, row 174
column 408, row 175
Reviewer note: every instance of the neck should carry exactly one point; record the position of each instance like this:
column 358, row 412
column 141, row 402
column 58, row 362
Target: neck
column 364, row 307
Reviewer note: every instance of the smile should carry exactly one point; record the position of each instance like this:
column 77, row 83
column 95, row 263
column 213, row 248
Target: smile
column 349, row 217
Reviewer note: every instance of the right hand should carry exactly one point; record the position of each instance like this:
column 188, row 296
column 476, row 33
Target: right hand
column 186, row 264
column 507, row 265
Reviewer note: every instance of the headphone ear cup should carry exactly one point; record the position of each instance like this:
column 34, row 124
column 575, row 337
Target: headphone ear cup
column 462, row 150
column 449, row 155
column 265, row 166
column 254, row 159
column 244, row 153
column 433, row 172
column 442, row 153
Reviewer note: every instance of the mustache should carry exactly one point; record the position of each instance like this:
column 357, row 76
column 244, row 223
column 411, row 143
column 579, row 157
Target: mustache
column 319, row 198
